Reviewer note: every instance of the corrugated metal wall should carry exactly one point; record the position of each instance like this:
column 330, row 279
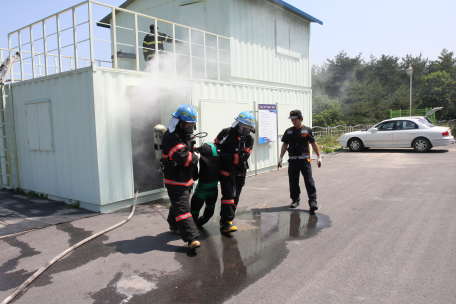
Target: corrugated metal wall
column 113, row 131
column 92, row 159
column 287, row 99
column 70, row 171
column 216, row 13
column 253, row 44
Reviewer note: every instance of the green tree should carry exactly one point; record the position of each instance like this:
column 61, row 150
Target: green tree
column 439, row 90
column 445, row 62
column 366, row 102
column 339, row 73
column 326, row 111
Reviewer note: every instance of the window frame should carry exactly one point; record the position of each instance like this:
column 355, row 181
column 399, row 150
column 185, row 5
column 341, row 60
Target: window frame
column 280, row 49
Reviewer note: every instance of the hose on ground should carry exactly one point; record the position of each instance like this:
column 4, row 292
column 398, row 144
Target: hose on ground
column 48, row 264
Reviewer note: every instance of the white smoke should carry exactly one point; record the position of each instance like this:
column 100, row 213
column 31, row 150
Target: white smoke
column 152, row 102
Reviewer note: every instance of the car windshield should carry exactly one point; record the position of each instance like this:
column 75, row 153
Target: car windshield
column 427, row 123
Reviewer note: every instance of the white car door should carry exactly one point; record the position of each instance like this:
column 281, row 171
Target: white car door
column 405, row 131
column 381, row 138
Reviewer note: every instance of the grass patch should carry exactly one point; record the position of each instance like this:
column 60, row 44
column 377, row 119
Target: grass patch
column 328, row 150
column 72, row 205
column 31, row 193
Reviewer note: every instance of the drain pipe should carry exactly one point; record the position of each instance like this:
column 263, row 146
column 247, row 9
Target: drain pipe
column 48, row 264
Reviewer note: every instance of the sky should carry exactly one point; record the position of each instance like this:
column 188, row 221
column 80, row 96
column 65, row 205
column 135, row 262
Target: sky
column 374, row 27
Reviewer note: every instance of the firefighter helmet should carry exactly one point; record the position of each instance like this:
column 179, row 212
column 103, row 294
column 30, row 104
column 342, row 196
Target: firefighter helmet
column 185, row 113
column 246, row 118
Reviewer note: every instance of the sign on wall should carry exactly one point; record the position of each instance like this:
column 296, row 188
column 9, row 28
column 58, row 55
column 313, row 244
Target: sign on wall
column 267, row 123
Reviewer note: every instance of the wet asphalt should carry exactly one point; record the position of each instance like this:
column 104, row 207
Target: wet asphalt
column 385, row 233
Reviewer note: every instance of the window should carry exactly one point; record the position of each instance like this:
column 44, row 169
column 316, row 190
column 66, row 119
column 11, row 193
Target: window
column 39, row 127
column 426, row 123
column 288, row 40
column 409, row 125
column 386, row 126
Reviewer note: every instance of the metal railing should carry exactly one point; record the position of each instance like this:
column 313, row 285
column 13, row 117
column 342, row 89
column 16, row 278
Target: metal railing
column 193, row 53
column 415, row 112
column 330, row 135
column 446, row 123
column 40, row 63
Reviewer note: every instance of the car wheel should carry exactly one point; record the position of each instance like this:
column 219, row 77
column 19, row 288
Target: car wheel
column 355, row 145
column 421, row 145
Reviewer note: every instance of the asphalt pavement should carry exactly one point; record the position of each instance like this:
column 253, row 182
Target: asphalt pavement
column 385, row 233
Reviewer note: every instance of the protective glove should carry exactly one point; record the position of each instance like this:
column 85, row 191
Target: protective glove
column 279, row 165
column 319, row 161
column 197, row 155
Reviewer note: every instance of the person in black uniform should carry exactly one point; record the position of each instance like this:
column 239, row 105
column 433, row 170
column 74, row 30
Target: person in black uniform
column 296, row 141
column 206, row 191
column 149, row 43
column 235, row 146
column 180, row 168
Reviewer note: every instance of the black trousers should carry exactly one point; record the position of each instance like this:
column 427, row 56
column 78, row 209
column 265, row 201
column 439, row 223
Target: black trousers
column 229, row 202
column 201, row 196
column 179, row 215
column 304, row 167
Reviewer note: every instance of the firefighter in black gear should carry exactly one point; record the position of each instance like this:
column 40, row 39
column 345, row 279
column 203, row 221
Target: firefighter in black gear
column 206, row 191
column 296, row 141
column 235, row 146
column 180, row 168
column 149, row 43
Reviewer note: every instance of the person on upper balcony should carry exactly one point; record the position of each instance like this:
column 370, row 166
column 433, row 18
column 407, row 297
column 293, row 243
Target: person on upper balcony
column 149, row 43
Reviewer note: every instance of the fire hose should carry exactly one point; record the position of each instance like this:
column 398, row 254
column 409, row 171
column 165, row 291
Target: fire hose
column 51, row 262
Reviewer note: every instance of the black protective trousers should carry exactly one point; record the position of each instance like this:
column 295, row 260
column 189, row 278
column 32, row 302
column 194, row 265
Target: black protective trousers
column 201, row 196
column 295, row 167
column 179, row 215
column 229, row 202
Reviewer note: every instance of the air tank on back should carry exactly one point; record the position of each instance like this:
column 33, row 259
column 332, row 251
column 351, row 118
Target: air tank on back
column 159, row 131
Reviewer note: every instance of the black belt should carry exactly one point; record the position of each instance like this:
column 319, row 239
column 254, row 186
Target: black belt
column 298, row 157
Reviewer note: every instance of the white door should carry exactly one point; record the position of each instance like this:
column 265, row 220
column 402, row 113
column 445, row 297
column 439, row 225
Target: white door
column 404, row 134
column 383, row 137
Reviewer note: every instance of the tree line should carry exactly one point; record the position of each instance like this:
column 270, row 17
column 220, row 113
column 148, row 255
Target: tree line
column 353, row 91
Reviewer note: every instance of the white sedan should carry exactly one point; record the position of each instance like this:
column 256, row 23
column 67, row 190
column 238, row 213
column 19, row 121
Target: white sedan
column 399, row 132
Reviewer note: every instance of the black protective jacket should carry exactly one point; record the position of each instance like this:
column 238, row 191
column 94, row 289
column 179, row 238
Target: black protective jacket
column 234, row 151
column 180, row 164
column 149, row 44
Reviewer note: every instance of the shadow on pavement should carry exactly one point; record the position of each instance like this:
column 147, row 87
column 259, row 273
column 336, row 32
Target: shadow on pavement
column 19, row 213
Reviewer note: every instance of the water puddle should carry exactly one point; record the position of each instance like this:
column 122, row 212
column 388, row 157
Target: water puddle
column 227, row 264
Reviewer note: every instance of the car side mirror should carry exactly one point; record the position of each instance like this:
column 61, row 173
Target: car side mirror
column 374, row 130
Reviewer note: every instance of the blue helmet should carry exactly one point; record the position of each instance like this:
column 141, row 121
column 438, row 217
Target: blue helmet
column 246, row 118
column 185, row 113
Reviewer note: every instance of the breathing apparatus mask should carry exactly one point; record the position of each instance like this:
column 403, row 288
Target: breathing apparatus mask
column 188, row 127
column 243, row 129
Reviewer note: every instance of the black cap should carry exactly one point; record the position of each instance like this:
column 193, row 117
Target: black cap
column 295, row 114
column 152, row 27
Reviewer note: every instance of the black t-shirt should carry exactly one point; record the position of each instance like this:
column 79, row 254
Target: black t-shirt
column 298, row 140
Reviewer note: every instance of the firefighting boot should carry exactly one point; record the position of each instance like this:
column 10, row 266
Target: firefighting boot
column 201, row 221
column 193, row 244
column 294, row 204
column 313, row 207
column 174, row 229
column 227, row 226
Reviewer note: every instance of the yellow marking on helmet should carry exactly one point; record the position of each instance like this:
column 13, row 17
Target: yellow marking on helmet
column 185, row 113
column 193, row 117
column 242, row 115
